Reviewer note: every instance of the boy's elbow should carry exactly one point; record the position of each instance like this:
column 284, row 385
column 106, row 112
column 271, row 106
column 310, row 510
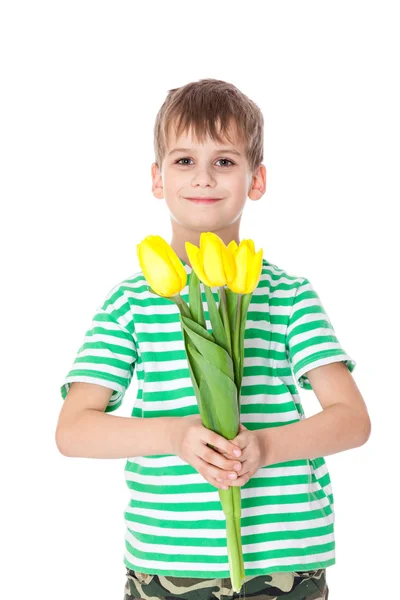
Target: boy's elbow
column 60, row 439
column 366, row 430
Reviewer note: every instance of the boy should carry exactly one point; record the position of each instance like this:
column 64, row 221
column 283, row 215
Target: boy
column 209, row 145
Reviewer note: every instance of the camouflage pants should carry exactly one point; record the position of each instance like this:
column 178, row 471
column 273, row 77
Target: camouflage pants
column 296, row 585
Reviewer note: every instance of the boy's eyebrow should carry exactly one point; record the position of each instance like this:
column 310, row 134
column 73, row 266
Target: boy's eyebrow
column 232, row 150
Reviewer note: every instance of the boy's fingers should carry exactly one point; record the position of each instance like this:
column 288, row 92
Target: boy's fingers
column 223, row 445
column 228, row 454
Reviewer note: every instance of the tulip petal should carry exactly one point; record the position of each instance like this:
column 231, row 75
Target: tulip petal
column 159, row 272
column 194, row 256
column 191, row 250
column 229, row 262
column 177, row 265
column 254, row 272
column 250, row 244
column 212, row 259
column 157, row 267
column 232, row 246
column 243, row 257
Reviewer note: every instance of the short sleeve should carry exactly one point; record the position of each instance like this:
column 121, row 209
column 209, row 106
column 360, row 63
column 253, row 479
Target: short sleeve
column 107, row 356
column 310, row 337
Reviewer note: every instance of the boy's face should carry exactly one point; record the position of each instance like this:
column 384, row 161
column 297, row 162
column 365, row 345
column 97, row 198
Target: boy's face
column 207, row 170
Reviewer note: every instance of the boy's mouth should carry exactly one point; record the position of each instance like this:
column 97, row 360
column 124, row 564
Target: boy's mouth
column 203, row 199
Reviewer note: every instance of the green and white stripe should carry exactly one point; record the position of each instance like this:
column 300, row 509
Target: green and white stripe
column 174, row 521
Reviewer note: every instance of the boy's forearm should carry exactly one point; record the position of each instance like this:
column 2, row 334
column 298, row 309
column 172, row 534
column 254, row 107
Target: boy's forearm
column 332, row 430
column 97, row 434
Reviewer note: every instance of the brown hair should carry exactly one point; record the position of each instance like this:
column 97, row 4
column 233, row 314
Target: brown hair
column 201, row 104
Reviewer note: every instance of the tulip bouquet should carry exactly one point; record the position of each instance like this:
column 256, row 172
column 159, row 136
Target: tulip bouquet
column 215, row 359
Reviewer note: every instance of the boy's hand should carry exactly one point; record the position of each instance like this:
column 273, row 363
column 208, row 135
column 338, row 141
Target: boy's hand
column 190, row 444
column 252, row 457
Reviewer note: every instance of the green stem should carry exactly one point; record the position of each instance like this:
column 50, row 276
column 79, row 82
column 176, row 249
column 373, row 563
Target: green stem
column 182, row 305
column 236, row 347
column 237, row 515
column 245, row 302
column 235, row 557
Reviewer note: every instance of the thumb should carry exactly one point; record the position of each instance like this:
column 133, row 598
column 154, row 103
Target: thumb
column 241, row 429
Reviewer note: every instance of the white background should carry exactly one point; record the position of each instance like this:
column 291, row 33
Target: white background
column 81, row 85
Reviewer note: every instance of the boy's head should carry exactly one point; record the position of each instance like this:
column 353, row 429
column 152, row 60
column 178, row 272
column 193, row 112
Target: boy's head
column 220, row 135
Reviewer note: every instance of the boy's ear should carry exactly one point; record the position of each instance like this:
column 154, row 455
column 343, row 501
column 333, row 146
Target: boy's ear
column 157, row 185
column 258, row 183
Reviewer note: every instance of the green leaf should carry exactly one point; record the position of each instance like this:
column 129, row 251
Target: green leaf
column 219, row 393
column 216, row 355
column 196, row 376
column 220, row 307
column 195, row 300
column 215, row 318
column 196, row 328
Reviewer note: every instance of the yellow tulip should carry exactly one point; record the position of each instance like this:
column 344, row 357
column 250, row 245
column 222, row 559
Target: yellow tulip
column 161, row 266
column 213, row 263
column 248, row 266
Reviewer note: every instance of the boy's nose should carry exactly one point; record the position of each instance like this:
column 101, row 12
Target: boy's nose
column 203, row 177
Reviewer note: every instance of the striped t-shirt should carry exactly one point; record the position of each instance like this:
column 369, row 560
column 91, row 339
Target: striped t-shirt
column 174, row 521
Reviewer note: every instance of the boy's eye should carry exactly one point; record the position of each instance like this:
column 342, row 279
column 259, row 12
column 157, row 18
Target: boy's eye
column 226, row 160
column 220, row 159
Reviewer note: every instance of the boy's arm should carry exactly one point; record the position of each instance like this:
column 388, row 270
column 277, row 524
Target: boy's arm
column 343, row 423
column 85, row 430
